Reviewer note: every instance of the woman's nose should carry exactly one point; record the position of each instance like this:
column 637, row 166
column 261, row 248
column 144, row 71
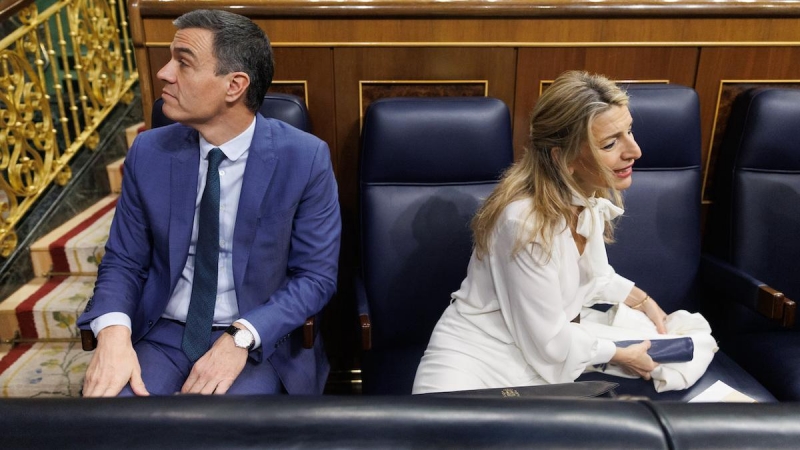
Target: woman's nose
column 632, row 150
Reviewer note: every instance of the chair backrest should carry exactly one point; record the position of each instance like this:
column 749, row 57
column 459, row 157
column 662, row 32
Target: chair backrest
column 426, row 165
column 658, row 238
column 284, row 107
column 755, row 219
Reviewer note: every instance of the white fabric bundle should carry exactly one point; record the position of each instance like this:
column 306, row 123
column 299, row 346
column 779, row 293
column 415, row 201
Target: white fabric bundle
column 623, row 323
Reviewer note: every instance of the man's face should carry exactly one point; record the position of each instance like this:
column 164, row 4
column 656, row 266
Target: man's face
column 193, row 94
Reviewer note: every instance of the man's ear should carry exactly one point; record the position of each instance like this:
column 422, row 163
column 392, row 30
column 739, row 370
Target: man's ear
column 238, row 82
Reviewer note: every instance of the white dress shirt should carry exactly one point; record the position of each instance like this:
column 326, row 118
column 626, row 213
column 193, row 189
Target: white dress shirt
column 231, row 174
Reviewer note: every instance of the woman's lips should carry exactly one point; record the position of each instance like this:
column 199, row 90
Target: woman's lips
column 624, row 173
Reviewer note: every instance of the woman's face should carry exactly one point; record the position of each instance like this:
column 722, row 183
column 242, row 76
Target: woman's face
column 618, row 150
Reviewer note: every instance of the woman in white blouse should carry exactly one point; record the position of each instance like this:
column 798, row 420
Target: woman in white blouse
column 540, row 254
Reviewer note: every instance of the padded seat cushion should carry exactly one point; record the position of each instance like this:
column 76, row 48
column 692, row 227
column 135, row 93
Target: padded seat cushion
column 772, row 356
column 721, row 368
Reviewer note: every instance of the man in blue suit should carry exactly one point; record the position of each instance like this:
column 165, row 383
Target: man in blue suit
column 275, row 260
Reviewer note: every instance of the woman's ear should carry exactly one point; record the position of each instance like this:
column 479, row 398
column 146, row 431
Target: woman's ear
column 555, row 154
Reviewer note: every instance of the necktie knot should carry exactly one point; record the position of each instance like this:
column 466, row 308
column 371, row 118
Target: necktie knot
column 215, row 157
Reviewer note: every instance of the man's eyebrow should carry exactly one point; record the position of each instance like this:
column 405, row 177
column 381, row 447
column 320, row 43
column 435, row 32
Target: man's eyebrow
column 184, row 51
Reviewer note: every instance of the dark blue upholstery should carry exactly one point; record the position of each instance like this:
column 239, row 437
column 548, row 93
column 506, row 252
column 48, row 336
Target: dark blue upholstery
column 415, row 422
column 756, row 213
column 754, row 225
column 658, row 239
column 426, row 165
column 285, row 107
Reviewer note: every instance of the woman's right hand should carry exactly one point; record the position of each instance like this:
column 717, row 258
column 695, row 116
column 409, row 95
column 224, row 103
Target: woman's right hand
column 635, row 360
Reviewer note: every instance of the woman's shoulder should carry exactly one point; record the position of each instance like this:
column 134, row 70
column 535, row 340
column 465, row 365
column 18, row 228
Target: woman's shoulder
column 521, row 214
column 516, row 215
column 518, row 210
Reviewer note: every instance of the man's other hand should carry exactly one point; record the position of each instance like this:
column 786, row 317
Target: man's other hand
column 215, row 372
column 114, row 364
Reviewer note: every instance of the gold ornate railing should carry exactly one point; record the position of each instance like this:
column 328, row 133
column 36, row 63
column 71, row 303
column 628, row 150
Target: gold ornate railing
column 62, row 71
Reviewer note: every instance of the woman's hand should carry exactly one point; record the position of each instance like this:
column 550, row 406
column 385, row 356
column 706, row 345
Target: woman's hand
column 635, row 360
column 656, row 314
column 638, row 299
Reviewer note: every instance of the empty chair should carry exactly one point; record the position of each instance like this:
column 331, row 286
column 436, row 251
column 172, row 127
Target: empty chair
column 753, row 225
column 426, row 166
column 658, row 238
column 285, row 107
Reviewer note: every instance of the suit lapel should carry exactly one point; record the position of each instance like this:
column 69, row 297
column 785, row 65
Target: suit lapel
column 183, row 195
column 258, row 174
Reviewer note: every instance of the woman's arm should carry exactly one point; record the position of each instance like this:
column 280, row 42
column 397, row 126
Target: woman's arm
column 639, row 299
column 532, row 304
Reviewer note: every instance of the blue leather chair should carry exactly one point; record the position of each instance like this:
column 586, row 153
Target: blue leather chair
column 754, row 225
column 426, row 165
column 285, row 107
column 658, row 239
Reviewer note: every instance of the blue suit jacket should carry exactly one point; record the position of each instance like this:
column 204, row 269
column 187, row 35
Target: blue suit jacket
column 285, row 249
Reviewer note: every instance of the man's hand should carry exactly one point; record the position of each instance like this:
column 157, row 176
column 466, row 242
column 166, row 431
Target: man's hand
column 215, row 372
column 113, row 365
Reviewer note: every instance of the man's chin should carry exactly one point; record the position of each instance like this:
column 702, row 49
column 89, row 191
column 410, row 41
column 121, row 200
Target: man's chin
column 170, row 113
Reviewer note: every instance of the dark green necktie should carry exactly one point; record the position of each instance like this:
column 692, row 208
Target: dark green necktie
column 199, row 319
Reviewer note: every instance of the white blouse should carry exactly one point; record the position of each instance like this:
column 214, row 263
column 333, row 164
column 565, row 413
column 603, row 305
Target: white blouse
column 528, row 300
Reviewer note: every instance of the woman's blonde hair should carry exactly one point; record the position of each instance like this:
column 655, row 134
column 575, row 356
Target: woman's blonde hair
column 560, row 125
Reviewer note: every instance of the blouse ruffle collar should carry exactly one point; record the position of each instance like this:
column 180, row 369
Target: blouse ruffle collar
column 591, row 221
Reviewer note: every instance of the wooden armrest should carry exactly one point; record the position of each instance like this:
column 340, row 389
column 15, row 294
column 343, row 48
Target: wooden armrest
column 732, row 284
column 366, row 331
column 308, row 333
column 88, row 341
column 774, row 305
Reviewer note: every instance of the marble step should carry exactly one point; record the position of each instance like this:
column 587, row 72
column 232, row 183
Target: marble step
column 77, row 246
column 132, row 131
column 43, row 369
column 114, row 173
column 45, row 309
column 114, row 169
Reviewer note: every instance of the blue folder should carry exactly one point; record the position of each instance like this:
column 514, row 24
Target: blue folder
column 666, row 350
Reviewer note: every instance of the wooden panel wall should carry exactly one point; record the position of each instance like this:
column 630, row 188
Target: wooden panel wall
column 341, row 55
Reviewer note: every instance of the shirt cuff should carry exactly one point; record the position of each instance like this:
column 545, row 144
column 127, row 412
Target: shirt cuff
column 252, row 329
column 109, row 319
column 618, row 289
column 605, row 351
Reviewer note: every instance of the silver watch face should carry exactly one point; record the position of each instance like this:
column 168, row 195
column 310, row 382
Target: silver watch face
column 243, row 338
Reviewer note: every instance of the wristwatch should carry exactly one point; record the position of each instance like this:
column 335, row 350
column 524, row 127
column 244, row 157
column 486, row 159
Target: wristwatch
column 242, row 337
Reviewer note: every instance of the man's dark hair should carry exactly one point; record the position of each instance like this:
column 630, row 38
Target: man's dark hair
column 239, row 46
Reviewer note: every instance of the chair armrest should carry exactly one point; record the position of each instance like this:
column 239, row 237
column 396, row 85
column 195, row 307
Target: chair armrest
column 308, row 332
column 744, row 289
column 363, row 314
column 88, row 341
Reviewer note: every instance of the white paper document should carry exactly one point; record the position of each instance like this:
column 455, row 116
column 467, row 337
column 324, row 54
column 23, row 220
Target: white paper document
column 721, row 392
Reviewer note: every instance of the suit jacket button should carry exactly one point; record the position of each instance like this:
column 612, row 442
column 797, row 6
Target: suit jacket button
column 150, row 323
